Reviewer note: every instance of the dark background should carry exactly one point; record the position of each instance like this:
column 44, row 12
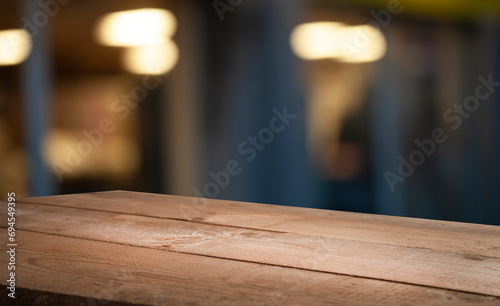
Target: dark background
column 352, row 120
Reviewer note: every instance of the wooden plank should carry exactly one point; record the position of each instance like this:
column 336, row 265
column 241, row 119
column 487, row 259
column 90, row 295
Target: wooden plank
column 475, row 239
column 450, row 270
column 98, row 270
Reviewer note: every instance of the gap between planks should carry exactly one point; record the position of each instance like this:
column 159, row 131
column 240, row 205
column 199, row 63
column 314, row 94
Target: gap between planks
column 228, row 225
column 196, row 250
column 268, row 264
column 388, row 228
column 188, row 279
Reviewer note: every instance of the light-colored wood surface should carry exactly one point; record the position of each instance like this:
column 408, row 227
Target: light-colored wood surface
column 174, row 250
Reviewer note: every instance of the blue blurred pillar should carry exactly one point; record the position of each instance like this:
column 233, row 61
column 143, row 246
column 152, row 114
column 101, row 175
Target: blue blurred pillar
column 36, row 87
column 385, row 129
column 491, row 142
column 265, row 81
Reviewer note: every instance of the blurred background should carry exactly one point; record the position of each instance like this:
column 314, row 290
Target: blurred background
column 374, row 106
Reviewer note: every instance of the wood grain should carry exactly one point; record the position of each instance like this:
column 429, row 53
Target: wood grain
column 478, row 239
column 449, row 270
column 99, row 270
column 457, row 262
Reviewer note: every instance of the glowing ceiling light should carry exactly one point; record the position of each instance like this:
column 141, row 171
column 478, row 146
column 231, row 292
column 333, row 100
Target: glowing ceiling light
column 153, row 59
column 316, row 40
column 15, row 46
column 352, row 44
column 136, row 27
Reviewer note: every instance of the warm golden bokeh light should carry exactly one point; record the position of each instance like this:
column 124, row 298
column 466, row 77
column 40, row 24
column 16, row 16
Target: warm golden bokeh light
column 154, row 59
column 15, row 46
column 335, row 40
column 136, row 27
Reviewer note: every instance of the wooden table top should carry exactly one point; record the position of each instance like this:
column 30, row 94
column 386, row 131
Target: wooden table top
column 128, row 247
